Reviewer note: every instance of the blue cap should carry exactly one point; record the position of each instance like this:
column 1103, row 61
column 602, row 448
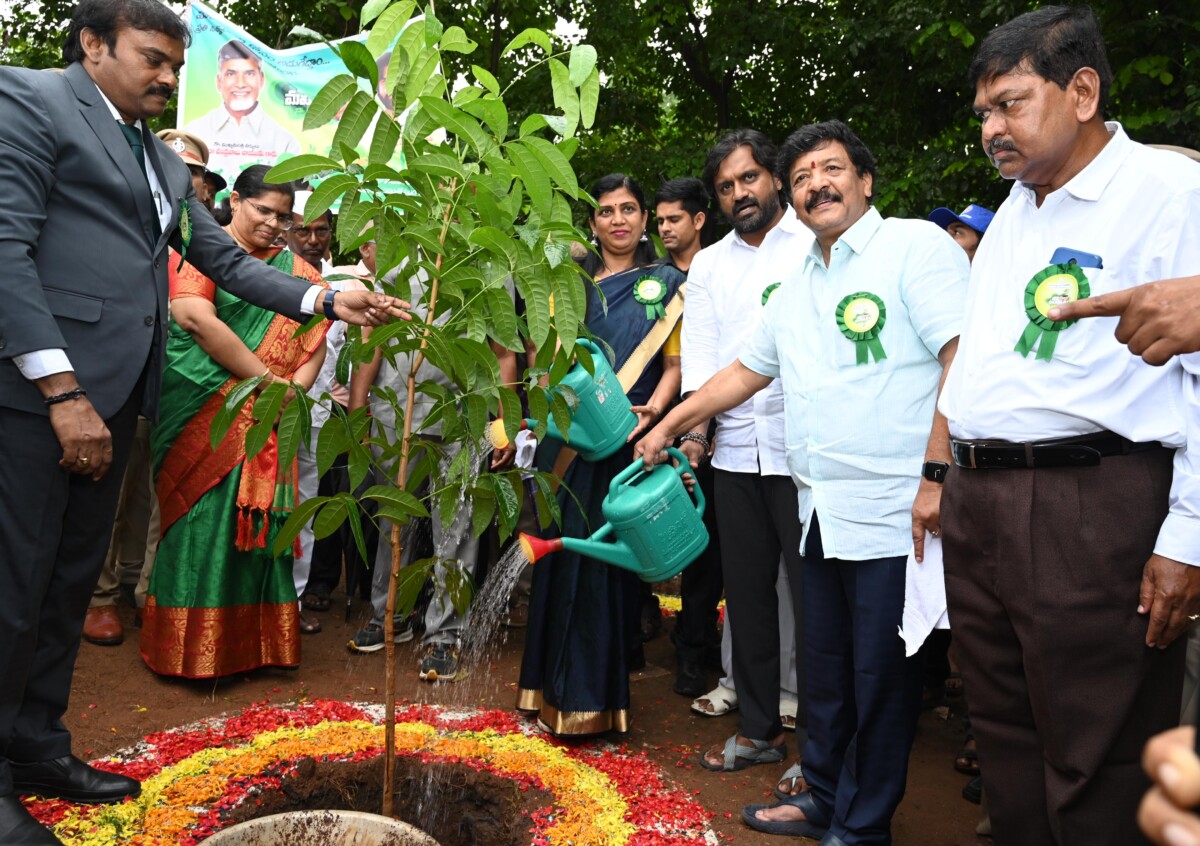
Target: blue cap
column 976, row 217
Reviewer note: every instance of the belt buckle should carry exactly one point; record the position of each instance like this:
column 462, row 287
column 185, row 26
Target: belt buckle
column 971, row 456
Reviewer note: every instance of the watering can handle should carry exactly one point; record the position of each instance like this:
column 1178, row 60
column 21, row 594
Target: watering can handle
column 636, row 467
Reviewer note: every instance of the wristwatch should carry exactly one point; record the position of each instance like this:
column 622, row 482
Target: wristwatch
column 330, row 314
column 935, row 471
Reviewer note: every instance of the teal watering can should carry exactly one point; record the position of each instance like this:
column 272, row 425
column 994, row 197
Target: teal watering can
column 600, row 420
column 658, row 529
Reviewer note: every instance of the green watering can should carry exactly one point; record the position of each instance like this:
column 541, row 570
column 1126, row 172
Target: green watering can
column 659, row 530
column 600, row 421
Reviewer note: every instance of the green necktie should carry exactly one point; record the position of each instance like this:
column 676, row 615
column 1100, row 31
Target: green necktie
column 134, row 137
column 135, row 143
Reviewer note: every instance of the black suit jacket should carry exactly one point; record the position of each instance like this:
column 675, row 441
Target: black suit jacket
column 79, row 266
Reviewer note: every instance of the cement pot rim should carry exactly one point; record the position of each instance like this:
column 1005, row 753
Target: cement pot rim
column 328, row 827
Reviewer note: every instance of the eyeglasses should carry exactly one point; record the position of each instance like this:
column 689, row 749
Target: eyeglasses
column 282, row 221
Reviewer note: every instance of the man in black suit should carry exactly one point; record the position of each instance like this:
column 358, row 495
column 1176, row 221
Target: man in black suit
column 91, row 201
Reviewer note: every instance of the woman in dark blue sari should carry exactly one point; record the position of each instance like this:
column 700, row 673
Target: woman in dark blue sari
column 584, row 632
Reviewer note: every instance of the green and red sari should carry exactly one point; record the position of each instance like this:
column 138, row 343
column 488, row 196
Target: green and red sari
column 219, row 601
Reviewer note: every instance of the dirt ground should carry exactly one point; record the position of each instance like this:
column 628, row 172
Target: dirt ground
column 116, row 701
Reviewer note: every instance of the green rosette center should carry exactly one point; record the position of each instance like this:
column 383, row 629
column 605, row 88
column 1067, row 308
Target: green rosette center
column 1055, row 285
column 861, row 317
column 650, row 291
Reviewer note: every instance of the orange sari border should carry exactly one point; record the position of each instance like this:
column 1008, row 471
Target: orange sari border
column 192, row 642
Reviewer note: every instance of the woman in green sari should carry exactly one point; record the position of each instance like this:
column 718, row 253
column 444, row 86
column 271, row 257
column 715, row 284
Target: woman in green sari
column 220, row 601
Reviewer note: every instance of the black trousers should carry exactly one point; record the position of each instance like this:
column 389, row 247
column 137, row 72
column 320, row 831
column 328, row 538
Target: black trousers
column 55, row 529
column 701, row 584
column 759, row 520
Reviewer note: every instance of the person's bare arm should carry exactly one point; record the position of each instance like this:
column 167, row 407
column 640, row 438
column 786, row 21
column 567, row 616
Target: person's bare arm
column 730, row 387
column 198, row 317
column 927, row 507
column 664, row 394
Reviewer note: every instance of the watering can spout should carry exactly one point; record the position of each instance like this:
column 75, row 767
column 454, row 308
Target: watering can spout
column 618, row 554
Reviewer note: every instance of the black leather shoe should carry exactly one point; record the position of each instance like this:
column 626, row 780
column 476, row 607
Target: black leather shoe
column 689, row 677
column 71, row 779
column 18, row 828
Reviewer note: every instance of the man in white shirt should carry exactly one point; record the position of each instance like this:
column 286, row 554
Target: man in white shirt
column 238, row 132
column 1073, row 514
column 729, row 285
column 859, row 338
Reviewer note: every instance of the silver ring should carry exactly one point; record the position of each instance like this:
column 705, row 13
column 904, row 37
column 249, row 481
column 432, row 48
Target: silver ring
column 935, row 532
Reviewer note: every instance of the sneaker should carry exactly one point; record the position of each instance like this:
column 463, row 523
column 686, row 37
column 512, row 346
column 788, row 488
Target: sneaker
column 439, row 662
column 370, row 637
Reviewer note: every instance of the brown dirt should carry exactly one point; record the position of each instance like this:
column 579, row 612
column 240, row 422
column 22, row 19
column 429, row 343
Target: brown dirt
column 116, row 700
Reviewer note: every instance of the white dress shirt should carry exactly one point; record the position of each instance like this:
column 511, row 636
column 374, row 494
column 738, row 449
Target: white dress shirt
column 857, row 433
column 41, row 363
column 1137, row 208
column 234, row 145
column 724, row 304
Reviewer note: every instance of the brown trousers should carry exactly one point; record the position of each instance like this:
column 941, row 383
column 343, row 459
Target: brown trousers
column 1042, row 575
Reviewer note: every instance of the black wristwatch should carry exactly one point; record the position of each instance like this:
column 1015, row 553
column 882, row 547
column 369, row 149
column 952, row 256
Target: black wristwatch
column 330, row 314
column 935, row 471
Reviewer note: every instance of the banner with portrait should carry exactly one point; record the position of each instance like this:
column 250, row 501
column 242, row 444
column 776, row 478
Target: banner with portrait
column 247, row 100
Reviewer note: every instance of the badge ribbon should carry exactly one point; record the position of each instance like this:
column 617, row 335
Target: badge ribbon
column 769, row 290
column 650, row 291
column 860, row 317
column 185, row 230
column 1055, row 285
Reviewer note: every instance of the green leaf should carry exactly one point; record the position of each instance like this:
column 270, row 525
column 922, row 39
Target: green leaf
column 330, row 518
column 561, row 413
column 496, row 243
column 360, row 62
column 371, row 10
column 582, row 62
column 433, row 27
column 331, row 443
column 484, row 508
column 466, row 95
column 537, row 183
column 531, row 124
column 266, row 412
column 529, row 36
column 565, row 97
column 384, row 140
column 486, row 79
column 510, row 404
column 589, row 99
column 402, row 501
column 389, row 25
column 355, row 120
column 457, row 121
column 440, row 165
column 300, row 167
column 230, row 409
column 477, row 415
column 539, row 409
column 292, row 431
column 503, row 315
column 508, row 497
column 335, row 94
column 423, row 67
column 548, row 509
column 492, row 112
column 354, row 518
column 300, row 517
column 327, row 193
column 555, row 164
column 455, row 40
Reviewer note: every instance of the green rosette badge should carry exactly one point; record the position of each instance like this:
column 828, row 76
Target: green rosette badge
column 1057, row 284
column 185, row 229
column 769, row 290
column 650, row 291
column 861, row 317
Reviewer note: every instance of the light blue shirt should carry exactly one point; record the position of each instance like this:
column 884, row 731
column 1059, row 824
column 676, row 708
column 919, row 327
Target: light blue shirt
column 856, row 433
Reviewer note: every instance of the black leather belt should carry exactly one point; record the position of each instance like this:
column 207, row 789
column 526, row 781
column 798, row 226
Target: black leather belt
column 1078, row 451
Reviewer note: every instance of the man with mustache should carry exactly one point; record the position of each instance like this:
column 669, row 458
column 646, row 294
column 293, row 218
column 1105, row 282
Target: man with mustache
column 859, row 337
column 91, row 202
column 729, row 286
column 238, row 132
column 1072, row 519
